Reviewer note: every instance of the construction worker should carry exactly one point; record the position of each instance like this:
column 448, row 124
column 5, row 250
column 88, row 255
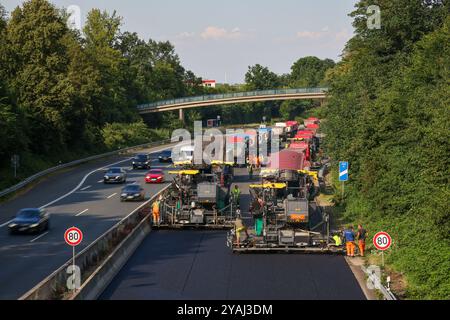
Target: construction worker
column 240, row 227
column 361, row 236
column 155, row 212
column 349, row 236
column 337, row 239
column 236, row 195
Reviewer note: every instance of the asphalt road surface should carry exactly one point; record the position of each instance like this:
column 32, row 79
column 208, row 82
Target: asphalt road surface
column 198, row 265
column 193, row 264
column 76, row 197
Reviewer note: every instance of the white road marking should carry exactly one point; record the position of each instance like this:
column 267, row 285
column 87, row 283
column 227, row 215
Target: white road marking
column 39, row 237
column 86, row 176
column 79, row 214
column 6, row 223
column 100, row 181
column 111, row 196
column 85, row 188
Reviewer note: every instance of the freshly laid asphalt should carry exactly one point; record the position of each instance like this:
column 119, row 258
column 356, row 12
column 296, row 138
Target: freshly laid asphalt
column 197, row 265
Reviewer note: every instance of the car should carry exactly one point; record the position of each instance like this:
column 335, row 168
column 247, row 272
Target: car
column 30, row 220
column 155, row 176
column 132, row 192
column 165, row 156
column 115, row 175
column 141, row 161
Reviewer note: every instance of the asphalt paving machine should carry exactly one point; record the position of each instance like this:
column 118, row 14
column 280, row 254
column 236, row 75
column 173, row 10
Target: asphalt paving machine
column 286, row 217
column 197, row 198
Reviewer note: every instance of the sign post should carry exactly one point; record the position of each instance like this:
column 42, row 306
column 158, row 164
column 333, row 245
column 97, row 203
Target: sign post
column 15, row 163
column 73, row 237
column 343, row 174
column 382, row 241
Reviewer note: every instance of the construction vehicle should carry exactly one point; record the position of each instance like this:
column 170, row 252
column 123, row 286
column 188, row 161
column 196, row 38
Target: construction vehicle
column 196, row 198
column 283, row 209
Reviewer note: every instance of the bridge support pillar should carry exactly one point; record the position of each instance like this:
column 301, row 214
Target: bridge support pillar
column 181, row 114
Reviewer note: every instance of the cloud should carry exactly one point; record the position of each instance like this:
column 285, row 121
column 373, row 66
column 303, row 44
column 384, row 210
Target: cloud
column 216, row 33
column 325, row 32
column 185, row 35
column 311, row 34
column 342, row 35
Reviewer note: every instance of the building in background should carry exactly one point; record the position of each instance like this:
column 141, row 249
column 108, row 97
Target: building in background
column 209, row 83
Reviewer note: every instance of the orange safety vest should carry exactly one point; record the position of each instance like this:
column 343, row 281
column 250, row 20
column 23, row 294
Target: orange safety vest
column 156, row 207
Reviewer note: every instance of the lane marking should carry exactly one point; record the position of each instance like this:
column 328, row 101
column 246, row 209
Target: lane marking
column 39, row 237
column 90, row 173
column 79, row 214
column 111, row 196
column 85, row 188
column 6, row 223
column 100, row 181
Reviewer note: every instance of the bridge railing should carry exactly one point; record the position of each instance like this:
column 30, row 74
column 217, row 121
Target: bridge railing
column 225, row 96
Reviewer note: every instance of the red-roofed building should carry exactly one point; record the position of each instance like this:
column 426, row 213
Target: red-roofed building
column 209, row 83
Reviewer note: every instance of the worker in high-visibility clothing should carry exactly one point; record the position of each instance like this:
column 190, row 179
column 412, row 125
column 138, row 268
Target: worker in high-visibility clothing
column 240, row 227
column 337, row 240
column 349, row 236
column 361, row 236
column 155, row 212
column 236, row 195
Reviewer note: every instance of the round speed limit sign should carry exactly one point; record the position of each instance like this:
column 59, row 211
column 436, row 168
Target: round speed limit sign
column 73, row 236
column 382, row 241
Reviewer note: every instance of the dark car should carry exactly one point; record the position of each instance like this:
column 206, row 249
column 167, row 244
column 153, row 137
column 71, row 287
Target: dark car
column 30, row 221
column 115, row 175
column 141, row 161
column 132, row 192
column 165, row 156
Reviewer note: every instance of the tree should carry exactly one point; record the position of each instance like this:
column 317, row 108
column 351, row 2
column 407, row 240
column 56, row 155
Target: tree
column 309, row 72
column 37, row 71
column 261, row 78
column 387, row 114
column 101, row 36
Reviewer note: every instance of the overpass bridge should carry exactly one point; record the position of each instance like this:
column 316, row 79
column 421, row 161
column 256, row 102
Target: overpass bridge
column 231, row 98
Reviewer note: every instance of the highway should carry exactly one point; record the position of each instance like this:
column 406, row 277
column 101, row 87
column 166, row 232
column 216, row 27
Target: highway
column 197, row 265
column 75, row 197
column 169, row 264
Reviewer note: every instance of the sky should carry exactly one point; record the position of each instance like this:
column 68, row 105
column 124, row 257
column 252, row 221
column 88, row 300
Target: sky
column 220, row 39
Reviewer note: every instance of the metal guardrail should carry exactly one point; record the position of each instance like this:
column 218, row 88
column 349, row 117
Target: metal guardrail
column 376, row 282
column 54, row 286
column 41, row 174
column 230, row 96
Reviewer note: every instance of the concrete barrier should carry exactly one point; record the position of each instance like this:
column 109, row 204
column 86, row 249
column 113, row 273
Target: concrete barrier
column 105, row 273
column 122, row 237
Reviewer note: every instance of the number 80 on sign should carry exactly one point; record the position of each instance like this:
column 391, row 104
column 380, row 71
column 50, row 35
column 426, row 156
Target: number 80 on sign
column 73, row 236
column 382, row 241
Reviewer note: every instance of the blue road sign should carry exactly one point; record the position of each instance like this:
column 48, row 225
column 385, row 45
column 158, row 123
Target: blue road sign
column 343, row 171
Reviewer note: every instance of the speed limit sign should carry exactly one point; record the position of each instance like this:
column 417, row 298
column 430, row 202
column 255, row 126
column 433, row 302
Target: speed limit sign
column 382, row 241
column 73, row 236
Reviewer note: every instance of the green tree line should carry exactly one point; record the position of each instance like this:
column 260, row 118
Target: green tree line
column 389, row 115
column 62, row 90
